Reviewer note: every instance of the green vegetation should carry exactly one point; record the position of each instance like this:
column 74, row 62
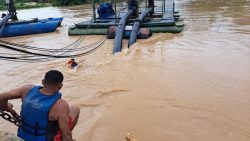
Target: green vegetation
column 67, row 2
column 2, row 5
column 24, row 4
column 31, row 5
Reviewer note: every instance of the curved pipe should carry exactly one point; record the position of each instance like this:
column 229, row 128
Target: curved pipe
column 4, row 21
column 137, row 24
column 120, row 31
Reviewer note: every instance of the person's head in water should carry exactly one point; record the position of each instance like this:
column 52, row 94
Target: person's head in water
column 53, row 80
column 72, row 63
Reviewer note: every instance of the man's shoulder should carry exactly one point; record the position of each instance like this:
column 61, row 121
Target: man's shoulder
column 27, row 87
column 61, row 104
column 58, row 109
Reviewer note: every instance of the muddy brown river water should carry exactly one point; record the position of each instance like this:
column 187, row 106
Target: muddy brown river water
column 191, row 86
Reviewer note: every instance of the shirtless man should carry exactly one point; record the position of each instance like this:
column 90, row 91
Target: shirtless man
column 45, row 116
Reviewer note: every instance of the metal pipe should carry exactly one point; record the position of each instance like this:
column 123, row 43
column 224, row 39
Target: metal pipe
column 115, row 13
column 164, row 8
column 173, row 6
column 11, row 9
column 93, row 7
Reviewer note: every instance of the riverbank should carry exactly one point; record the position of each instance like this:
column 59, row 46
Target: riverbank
column 27, row 5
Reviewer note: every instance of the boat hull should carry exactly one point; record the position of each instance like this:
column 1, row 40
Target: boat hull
column 34, row 26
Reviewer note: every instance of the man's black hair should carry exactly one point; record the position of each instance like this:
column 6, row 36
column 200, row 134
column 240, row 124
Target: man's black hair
column 53, row 77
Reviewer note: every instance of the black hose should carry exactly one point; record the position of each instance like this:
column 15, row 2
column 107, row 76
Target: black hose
column 3, row 22
column 120, row 31
column 137, row 24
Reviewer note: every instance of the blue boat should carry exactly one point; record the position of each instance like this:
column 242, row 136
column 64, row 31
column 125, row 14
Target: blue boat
column 27, row 28
column 59, row 19
column 10, row 25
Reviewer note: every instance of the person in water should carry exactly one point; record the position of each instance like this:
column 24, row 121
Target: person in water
column 72, row 63
column 45, row 115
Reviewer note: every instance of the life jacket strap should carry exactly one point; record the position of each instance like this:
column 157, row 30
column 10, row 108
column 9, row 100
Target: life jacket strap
column 38, row 131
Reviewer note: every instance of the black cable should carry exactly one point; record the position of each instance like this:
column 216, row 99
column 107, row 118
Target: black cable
column 40, row 49
column 38, row 54
column 50, row 50
column 48, row 57
column 64, row 49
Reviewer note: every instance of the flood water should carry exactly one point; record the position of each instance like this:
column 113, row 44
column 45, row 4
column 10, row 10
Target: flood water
column 190, row 86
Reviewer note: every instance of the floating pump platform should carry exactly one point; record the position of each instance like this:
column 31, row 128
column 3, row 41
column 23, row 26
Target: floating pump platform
column 163, row 19
column 137, row 20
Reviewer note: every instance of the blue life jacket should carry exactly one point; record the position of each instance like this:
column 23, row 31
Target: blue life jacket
column 35, row 114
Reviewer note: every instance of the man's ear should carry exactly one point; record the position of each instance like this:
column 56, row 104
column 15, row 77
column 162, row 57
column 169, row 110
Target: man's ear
column 43, row 82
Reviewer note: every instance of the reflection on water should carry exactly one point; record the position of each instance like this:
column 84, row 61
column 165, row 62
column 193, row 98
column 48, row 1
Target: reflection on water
column 225, row 15
column 181, row 87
